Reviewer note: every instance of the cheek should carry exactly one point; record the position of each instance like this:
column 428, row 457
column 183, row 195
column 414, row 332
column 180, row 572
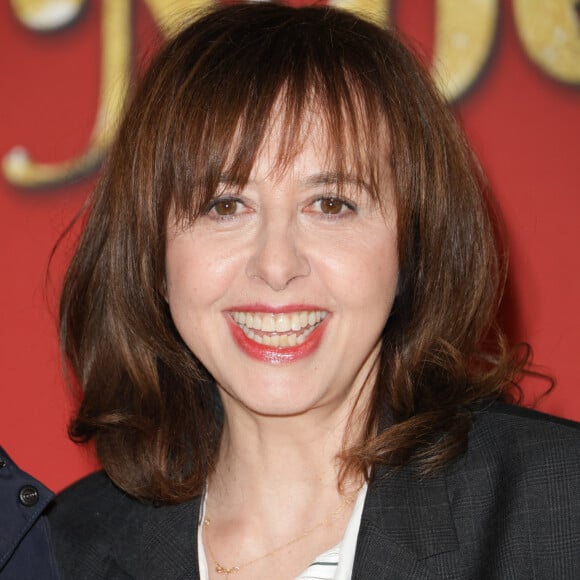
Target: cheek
column 188, row 300
column 186, row 267
column 365, row 271
column 184, row 293
column 198, row 275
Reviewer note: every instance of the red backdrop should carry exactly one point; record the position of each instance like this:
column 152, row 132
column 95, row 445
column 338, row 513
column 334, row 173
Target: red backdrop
column 523, row 122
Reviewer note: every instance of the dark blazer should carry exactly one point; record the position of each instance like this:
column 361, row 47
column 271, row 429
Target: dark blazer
column 25, row 548
column 509, row 508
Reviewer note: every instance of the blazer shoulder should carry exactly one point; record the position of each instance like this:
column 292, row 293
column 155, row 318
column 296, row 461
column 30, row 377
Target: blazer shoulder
column 518, row 414
column 524, row 438
column 89, row 505
column 525, row 422
column 89, row 521
column 101, row 533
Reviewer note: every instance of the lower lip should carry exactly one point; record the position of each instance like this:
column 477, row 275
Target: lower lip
column 273, row 355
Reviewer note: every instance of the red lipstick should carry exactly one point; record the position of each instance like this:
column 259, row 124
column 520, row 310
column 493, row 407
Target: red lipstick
column 271, row 354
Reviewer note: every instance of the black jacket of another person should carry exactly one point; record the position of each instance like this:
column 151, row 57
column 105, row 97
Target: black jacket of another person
column 25, row 548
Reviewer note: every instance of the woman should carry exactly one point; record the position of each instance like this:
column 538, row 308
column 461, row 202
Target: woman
column 280, row 313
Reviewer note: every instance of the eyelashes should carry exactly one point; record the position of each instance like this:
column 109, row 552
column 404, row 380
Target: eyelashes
column 332, row 206
column 328, row 206
column 224, row 207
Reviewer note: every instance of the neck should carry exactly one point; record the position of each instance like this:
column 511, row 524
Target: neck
column 276, row 484
column 273, row 460
column 265, row 455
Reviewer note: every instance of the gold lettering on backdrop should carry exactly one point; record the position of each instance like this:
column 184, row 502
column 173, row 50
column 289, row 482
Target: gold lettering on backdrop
column 23, row 171
column 464, row 34
column 550, row 33
column 46, row 14
column 376, row 11
column 170, row 14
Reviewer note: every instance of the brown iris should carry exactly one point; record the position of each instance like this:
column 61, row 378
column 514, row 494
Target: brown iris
column 225, row 207
column 331, row 205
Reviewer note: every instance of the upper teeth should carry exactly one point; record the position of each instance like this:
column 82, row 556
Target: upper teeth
column 268, row 322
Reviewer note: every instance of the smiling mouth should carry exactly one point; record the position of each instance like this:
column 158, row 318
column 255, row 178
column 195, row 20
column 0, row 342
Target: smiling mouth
column 279, row 330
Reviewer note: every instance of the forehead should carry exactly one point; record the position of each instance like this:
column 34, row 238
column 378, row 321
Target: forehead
column 317, row 139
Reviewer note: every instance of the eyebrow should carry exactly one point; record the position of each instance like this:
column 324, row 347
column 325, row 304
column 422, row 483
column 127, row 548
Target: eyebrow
column 317, row 179
column 332, row 177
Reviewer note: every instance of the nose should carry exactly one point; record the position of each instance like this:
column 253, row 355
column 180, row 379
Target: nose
column 276, row 258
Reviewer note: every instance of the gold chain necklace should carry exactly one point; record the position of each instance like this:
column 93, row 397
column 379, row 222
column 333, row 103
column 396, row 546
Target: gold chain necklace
column 348, row 500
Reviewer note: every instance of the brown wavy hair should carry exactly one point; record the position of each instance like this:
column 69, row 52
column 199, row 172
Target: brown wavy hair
column 203, row 108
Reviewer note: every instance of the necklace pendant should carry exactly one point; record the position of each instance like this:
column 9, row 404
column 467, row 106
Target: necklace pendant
column 226, row 571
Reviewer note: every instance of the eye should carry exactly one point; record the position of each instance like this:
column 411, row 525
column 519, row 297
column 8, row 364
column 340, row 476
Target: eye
column 224, row 207
column 332, row 206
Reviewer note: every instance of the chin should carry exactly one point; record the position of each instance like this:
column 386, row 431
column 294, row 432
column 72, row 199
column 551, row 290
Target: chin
column 276, row 403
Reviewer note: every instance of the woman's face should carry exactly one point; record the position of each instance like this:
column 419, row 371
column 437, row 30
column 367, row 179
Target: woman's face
column 282, row 289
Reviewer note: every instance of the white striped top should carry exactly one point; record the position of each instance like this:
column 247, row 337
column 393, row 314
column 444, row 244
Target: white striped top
column 324, row 566
column 337, row 563
column 334, row 564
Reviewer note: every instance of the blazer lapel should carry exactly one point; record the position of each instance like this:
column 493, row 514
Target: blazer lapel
column 406, row 519
column 166, row 546
column 171, row 542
